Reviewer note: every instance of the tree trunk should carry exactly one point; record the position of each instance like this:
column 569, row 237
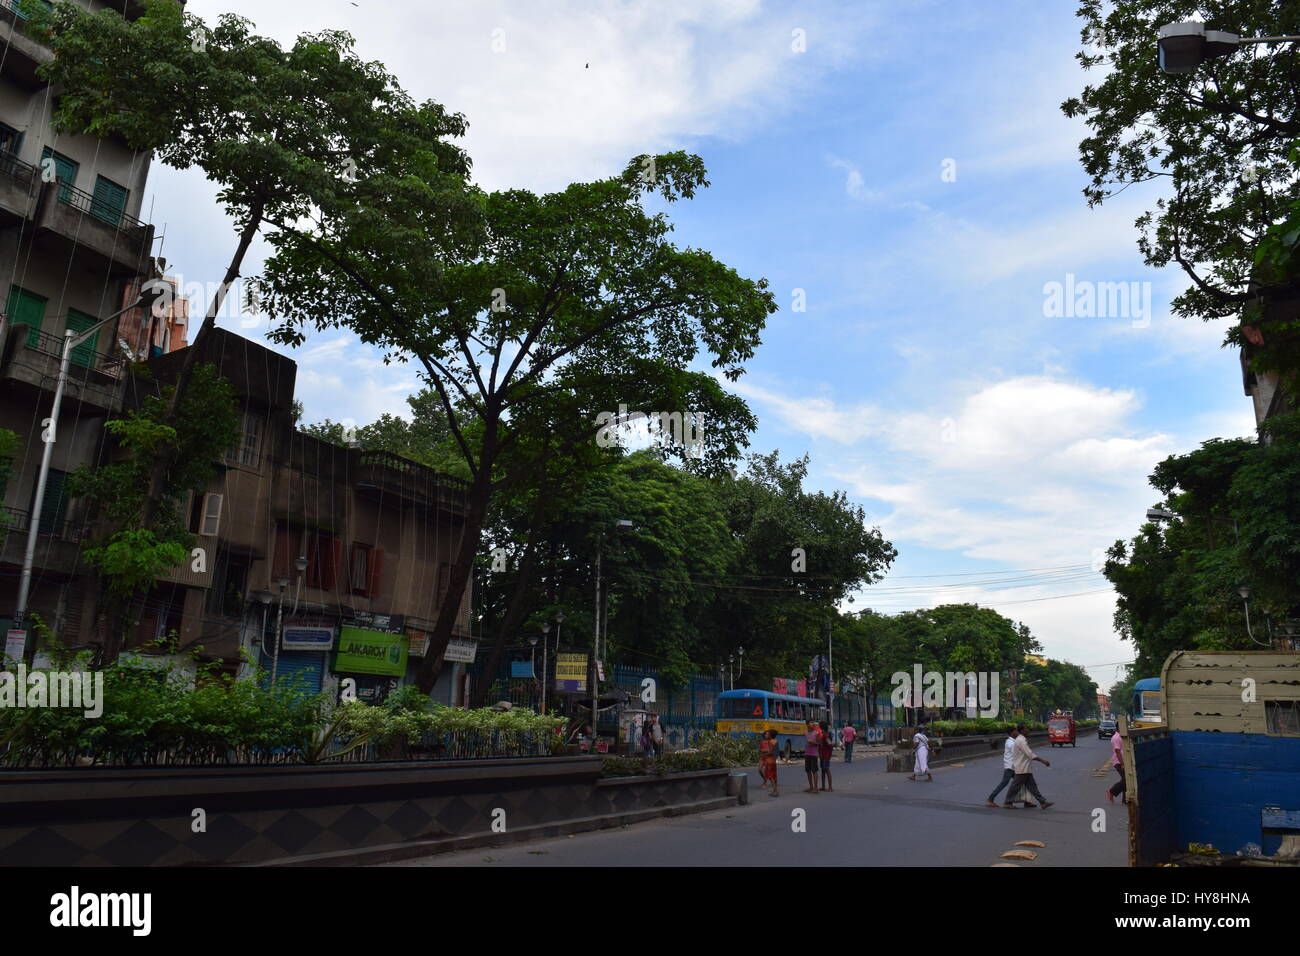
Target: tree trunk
column 471, row 532
column 509, row 621
column 164, row 455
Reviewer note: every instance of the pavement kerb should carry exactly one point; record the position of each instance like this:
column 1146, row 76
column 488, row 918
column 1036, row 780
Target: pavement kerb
column 391, row 852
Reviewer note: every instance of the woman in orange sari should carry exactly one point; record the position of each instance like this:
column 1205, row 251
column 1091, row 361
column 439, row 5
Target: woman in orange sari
column 767, row 761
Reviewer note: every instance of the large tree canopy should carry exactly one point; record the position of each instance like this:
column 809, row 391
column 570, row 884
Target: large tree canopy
column 1238, row 525
column 574, row 303
column 1214, row 140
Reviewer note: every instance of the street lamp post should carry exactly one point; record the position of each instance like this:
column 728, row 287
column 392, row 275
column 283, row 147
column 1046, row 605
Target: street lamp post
column 622, row 524
column 279, row 630
column 71, row 340
column 546, row 645
column 1185, row 46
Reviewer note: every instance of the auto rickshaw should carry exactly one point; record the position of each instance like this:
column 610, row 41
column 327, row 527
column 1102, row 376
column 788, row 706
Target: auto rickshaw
column 1060, row 730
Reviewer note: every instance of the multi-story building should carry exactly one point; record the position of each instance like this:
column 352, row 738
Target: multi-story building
column 71, row 244
column 344, row 553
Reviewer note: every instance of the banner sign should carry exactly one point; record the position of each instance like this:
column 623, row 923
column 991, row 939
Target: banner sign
column 371, row 652
column 459, row 649
column 570, row 671
column 308, row 639
column 521, row 669
column 15, row 645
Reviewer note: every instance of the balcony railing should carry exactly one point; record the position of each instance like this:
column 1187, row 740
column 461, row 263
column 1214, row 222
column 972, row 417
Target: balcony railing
column 11, row 167
column 106, row 363
column 18, row 521
column 101, row 210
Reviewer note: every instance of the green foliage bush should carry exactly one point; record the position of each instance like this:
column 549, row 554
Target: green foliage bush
column 155, row 712
column 711, row 752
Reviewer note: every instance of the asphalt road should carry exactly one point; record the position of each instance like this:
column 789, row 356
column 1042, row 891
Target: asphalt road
column 872, row 818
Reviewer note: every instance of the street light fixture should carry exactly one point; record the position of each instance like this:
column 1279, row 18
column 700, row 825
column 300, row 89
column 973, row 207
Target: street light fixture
column 1185, row 46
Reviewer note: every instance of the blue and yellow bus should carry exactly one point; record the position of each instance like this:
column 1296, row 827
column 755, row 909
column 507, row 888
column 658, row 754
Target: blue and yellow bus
column 1144, row 710
column 750, row 713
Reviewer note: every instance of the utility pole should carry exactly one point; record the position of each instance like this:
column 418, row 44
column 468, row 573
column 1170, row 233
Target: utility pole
column 595, row 642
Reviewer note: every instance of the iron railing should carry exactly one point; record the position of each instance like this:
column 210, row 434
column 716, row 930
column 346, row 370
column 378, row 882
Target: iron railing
column 22, row 172
column 101, row 210
column 107, row 363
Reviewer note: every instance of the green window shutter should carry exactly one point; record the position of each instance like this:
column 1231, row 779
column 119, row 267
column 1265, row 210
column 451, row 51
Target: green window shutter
column 65, row 170
column 109, row 202
column 83, row 354
column 54, row 503
column 26, row 308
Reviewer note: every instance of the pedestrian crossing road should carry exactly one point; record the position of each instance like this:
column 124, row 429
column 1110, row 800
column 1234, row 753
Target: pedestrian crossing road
column 872, row 818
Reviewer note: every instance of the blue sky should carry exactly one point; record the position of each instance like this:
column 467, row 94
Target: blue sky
column 982, row 435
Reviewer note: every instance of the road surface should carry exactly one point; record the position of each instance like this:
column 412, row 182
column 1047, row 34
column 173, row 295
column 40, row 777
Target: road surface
column 872, row 818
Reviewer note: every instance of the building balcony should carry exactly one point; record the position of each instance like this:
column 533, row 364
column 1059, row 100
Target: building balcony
column 71, row 222
column 31, row 358
column 23, row 53
column 58, row 545
column 383, row 472
column 18, row 182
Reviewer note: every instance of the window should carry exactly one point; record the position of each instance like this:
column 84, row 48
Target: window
column 11, row 141
column 27, row 308
column 229, row 585
column 289, row 544
column 109, row 201
column 1282, row 718
column 247, row 452
column 360, row 569
column 65, row 171
column 749, row 709
column 210, row 516
column 54, row 504
column 83, row 354
column 323, row 553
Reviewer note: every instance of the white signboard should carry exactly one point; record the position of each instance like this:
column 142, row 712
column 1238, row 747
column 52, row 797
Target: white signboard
column 308, row 639
column 15, row 646
column 460, row 650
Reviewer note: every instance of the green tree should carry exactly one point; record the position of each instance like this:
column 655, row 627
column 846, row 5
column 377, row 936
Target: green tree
column 575, row 302
column 1216, row 138
column 297, row 139
column 133, row 547
column 1238, row 525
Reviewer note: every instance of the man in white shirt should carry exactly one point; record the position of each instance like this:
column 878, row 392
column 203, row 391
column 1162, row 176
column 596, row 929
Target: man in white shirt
column 1008, row 767
column 1022, row 759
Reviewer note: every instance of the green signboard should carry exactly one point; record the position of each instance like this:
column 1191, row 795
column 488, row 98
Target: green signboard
column 371, row 652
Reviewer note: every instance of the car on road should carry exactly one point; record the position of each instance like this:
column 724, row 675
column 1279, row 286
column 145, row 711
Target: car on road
column 1106, row 729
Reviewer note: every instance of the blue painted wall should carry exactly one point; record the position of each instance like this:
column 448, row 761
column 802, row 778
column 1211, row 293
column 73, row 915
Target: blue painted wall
column 1157, row 834
column 1224, row 781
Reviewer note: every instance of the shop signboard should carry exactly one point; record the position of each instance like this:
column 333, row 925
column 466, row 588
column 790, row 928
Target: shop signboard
column 571, row 672
column 370, row 652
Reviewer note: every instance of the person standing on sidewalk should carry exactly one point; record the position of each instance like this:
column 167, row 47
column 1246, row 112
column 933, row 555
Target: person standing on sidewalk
column 811, row 754
column 1008, row 767
column 922, row 744
column 1023, row 763
column 657, row 734
column 847, row 736
column 826, row 750
column 1117, row 761
column 767, row 761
